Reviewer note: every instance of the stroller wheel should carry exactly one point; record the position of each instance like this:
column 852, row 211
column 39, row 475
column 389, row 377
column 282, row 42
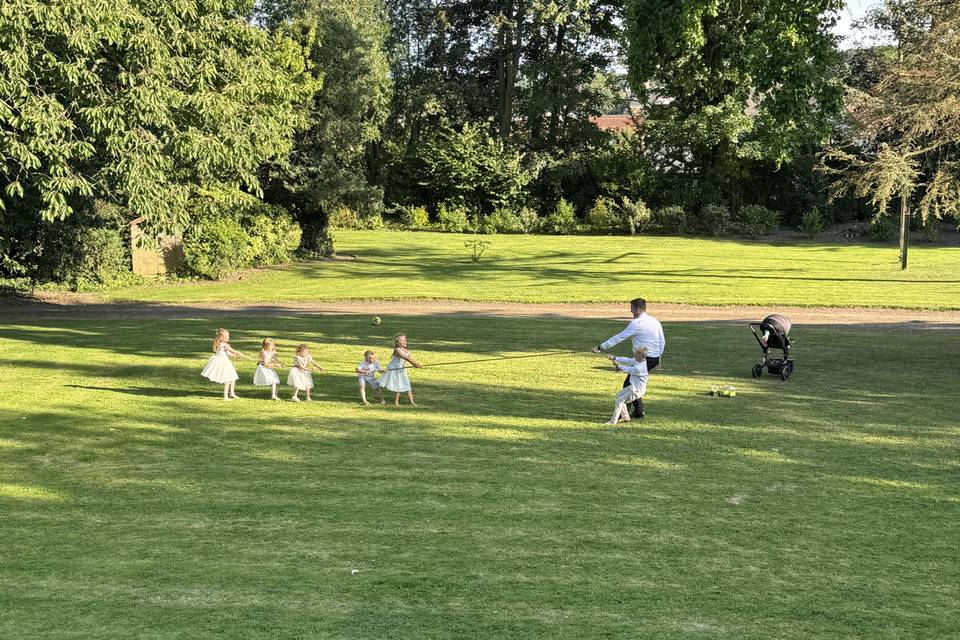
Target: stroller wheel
column 757, row 370
column 786, row 370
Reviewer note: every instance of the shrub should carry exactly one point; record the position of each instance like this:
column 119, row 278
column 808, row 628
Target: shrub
column 602, row 218
column 563, row 220
column 344, row 218
column 931, row 229
column 452, row 218
column 672, row 219
column 217, row 247
column 529, row 220
column 273, row 234
column 756, row 221
column 473, row 167
column 634, row 216
column 504, row 221
column 812, row 225
column 883, row 229
column 715, row 219
column 89, row 258
column 414, row 217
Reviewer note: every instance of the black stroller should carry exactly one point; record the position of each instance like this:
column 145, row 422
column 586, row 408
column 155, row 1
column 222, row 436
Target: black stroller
column 772, row 333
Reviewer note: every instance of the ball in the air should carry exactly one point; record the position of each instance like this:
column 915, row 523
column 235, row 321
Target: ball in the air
column 376, row 321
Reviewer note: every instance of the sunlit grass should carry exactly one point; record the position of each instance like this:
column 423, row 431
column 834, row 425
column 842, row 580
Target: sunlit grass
column 135, row 503
column 403, row 265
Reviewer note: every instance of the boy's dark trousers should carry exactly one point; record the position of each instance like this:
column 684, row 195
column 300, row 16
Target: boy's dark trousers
column 636, row 410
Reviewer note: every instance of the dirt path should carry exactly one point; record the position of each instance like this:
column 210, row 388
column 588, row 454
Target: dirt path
column 91, row 307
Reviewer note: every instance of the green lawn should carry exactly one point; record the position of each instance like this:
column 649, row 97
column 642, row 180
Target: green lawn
column 134, row 503
column 395, row 265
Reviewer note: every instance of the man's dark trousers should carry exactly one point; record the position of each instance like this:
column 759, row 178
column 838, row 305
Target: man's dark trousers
column 637, row 405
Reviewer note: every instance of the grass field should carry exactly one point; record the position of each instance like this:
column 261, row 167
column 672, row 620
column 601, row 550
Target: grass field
column 395, row 265
column 136, row 504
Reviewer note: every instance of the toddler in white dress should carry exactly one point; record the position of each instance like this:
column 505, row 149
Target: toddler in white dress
column 266, row 374
column 299, row 377
column 366, row 376
column 219, row 369
column 636, row 367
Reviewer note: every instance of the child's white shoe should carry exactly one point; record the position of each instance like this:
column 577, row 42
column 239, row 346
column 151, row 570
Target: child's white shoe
column 295, row 399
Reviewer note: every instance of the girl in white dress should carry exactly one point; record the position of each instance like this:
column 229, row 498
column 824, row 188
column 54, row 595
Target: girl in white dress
column 299, row 377
column 266, row 374
column 395, row 378
column 219, row 368
column 366, row 376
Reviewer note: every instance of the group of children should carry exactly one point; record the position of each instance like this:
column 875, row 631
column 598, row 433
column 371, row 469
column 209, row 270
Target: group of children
column 394, row 377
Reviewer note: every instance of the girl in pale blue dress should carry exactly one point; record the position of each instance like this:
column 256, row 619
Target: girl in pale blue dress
column 395, row 378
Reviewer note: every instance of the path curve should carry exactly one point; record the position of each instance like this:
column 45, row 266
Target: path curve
column 91, row 307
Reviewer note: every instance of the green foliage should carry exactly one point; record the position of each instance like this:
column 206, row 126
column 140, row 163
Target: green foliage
column 140, row 103
column 232, row 234
column 274, row 236
column 745, row 80
column 906, row 139
column 452, row 218
column 634, row 215
column 812, row 224
column 562, row 221
column 414, row 217
column 602, row 217
column 673, row 220
column 504, row 220
column 471, row 168
column 715, row 219
column 883, row 228
column 87, row 258
column 529, row 220
column 344, row 44
column 756, row 221
column 217, row 247
column 344, row 218
column 477, row 246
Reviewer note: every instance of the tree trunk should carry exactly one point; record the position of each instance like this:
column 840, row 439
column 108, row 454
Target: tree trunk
column 509, row 61
column 554, row 86
column 904, row 228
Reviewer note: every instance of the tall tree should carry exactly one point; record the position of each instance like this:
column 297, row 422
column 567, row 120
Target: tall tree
column 345, row 45
column 731, row 80
column 138, row 103
column 907, row 136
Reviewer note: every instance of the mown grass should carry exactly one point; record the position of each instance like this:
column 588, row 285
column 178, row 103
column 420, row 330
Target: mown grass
column 136, row 504
column 395, row 265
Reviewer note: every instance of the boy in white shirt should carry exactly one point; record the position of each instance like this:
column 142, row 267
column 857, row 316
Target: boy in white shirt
column 366, row 375
column 636, row 370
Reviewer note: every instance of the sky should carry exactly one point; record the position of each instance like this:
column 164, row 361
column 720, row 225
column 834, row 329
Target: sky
column 855, row 10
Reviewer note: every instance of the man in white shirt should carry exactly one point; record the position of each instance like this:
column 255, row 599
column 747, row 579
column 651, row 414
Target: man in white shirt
column 643, row 331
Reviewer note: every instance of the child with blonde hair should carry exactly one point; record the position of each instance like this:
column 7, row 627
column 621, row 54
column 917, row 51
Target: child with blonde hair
column 299, row 377
column 366, row 372
column 266, row 374
column 395, row 378
column 636, row 368
column 219, row 369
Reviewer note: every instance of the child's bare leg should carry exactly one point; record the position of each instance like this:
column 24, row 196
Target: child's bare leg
column 233, row 389
column 410, row 397
column 396, row 399
column 363, row 392
column 273, row 392
column 226, row 391
column 308, row 398
column 295, row 397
